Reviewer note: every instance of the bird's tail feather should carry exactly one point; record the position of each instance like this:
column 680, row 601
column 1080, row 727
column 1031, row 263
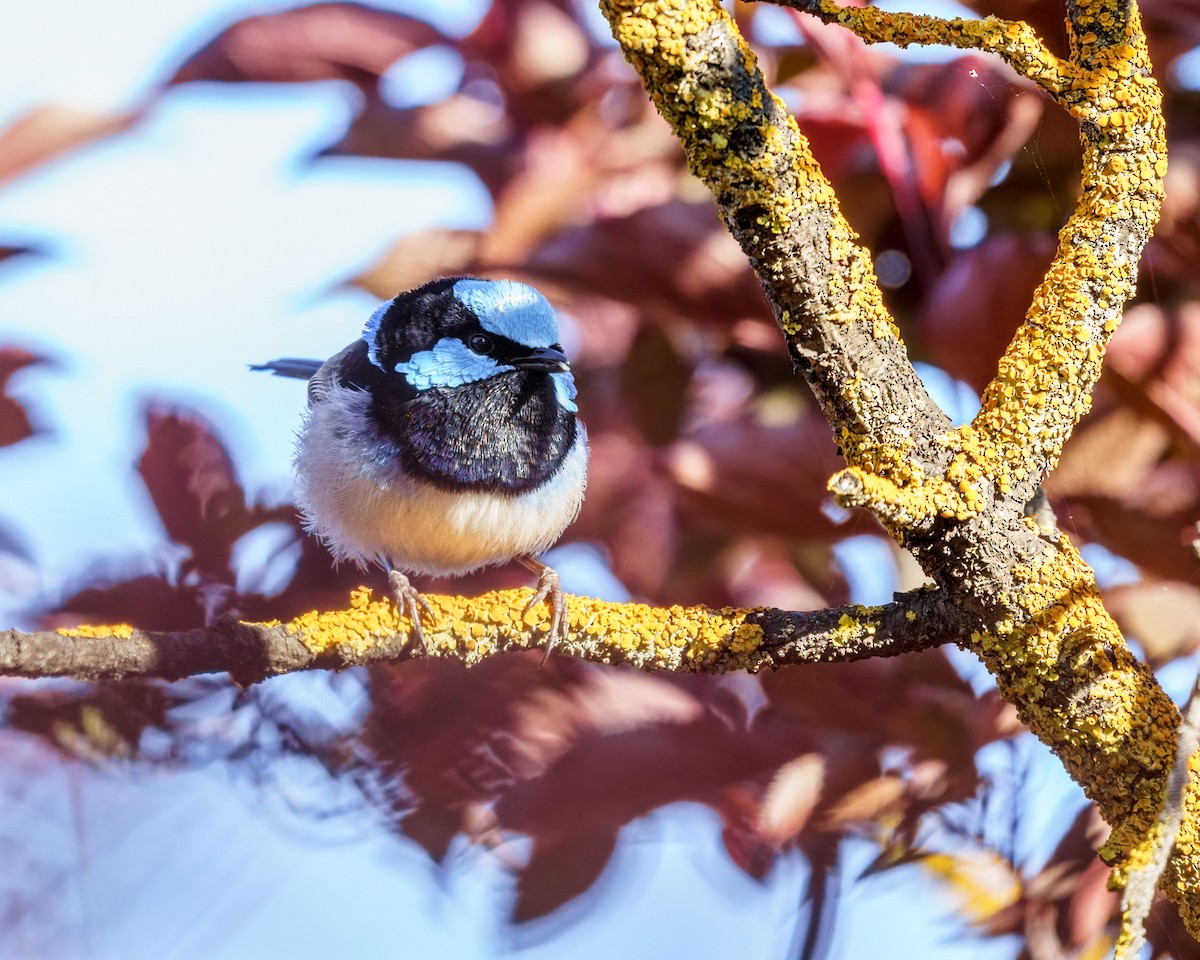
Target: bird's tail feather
column 296, row 367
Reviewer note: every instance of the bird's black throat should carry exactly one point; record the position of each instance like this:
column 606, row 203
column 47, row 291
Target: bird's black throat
column 506, row 434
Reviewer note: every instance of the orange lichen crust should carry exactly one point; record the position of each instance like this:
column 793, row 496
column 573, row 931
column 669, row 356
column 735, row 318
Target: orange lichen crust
column 691, row 639
column 1075, row 683
column 122, row 631
column 1181, row 878
column 469, row 629
column 1044, row 383
column 1079, row 688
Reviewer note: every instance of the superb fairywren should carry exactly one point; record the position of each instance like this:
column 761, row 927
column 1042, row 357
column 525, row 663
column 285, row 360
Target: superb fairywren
column 444, row 439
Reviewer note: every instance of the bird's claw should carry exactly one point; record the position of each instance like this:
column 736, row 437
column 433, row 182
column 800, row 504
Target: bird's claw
column 410, row 604
column 549, row 589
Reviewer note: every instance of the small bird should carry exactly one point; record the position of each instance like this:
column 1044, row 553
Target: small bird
column 444, row 439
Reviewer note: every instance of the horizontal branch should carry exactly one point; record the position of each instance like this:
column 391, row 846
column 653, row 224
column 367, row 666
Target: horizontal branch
column 685, row 639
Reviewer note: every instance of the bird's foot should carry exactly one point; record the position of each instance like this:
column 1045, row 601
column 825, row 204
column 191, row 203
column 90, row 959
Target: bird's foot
column 410, row 604
column 549, row 588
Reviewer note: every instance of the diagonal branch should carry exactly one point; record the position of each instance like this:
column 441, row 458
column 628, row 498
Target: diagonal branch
column 1149, row 859
column 1044, row 382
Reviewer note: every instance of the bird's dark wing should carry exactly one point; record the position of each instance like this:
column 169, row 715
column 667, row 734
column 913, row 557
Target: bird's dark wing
column 352, row 368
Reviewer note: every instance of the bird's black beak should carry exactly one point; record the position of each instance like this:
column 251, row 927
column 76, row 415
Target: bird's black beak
column 546, row 359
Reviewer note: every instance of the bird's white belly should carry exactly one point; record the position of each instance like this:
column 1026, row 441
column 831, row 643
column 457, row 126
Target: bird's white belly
column 365, row 511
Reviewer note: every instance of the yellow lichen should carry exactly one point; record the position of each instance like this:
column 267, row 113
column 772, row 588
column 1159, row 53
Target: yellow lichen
column 356, row 629
column 500, row 620
column 1107, row 723
column 122, row 630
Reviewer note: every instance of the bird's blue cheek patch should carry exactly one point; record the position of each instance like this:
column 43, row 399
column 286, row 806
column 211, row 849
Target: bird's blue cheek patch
column 371, row 331
column 564, row 389
column 450, row 363
column 510, row 309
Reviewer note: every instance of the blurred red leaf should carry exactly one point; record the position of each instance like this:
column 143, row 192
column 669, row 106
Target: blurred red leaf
column 654, row 379
column 755, row 476
column 1167, row 269
column 748, row 845
column 630, row 509
column 976, row 305
column 1068, row 899
column 415, row 259
column 918, row 701
column 631, row 744
column 1156, row 351
column 15, row 424
column 1129, row 477
column 1111, row 456
column 675, row 258
column 316, row 583
column 43, row 133
column 559, row 869
column 459, row 129
column 99, row 721
column 148, row 602
column 324, row 41
column 868, row 801
column 966, row 119
column 762, row 572
column 1161, row 542
column 565, row 755
column 536, row 50
column 792, row 796
column 191, row 479
column 1163, row 616
column 433, row 827
column 451, row 759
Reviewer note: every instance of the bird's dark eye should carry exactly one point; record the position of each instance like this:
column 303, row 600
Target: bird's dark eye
column 481, row 343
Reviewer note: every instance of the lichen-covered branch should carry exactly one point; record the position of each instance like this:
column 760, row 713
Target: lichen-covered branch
column 1045, row 379
column 1044, row 382
column 956, row 497
column 1012, row 40
column 686, row 639
column 1148, row 860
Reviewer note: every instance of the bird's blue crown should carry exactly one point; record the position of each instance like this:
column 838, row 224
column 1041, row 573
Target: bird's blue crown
column 511, row 309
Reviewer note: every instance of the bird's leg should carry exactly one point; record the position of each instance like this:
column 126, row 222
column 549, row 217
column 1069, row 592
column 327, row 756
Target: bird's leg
column 411, row 604
column 549, row 588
